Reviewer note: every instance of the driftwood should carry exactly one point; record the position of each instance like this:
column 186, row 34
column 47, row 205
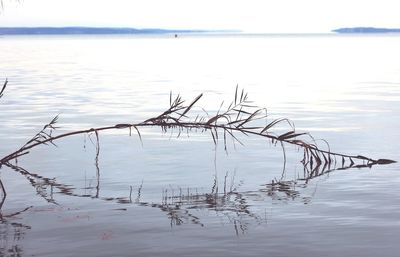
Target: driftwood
column 239, row 117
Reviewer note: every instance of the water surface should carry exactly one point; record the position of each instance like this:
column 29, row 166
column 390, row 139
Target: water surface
column 184, row 196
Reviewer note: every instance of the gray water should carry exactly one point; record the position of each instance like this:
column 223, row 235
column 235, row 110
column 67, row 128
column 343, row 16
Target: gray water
column 184, row 196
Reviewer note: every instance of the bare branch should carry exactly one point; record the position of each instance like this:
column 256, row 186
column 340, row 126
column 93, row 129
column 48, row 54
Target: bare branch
column 3, row 88
column 238, row 118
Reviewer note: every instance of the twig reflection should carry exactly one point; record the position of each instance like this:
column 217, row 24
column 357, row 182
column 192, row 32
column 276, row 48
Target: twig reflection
column 182, row 206
column 11, row 233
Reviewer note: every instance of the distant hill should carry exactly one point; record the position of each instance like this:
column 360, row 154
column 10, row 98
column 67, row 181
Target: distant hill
column 366, row 30
column 86, row 30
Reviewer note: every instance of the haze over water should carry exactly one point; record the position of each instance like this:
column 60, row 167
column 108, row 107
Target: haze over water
column 151, row 200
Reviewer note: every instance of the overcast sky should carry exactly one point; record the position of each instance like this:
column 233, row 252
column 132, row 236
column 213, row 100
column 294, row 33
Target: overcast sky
column 270, row 16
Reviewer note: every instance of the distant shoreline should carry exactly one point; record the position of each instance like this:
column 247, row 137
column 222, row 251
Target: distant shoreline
column 366, row 30
column 90, row 31
column 46, row 31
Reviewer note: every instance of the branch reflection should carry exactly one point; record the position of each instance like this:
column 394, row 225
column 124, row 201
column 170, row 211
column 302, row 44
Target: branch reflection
column 182, row 206
column 11, row 233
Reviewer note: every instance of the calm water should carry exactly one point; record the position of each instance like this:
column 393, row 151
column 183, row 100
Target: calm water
column 184, row 196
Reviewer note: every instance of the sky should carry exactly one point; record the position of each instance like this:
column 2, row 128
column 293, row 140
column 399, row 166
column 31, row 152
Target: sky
column 263, row 16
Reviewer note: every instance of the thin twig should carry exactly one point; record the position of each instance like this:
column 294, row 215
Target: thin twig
column 3, row 88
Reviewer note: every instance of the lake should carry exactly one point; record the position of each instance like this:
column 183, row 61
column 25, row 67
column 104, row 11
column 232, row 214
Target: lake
column 179, row 194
